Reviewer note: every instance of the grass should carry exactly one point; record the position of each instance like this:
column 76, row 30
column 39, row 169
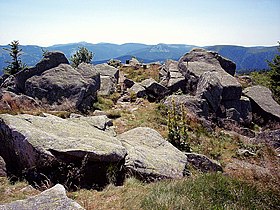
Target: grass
column 140, row 74
column 204, row 191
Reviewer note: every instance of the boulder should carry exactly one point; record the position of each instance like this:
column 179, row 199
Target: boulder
column 107, row 70
column 128, row 83
column 46, row 144
column 242, row 106
column 64, row 83
column 193, row 104
column 10, row 101
column 50, row 60
column 150, row 157
column 193, row 64
column 3, row 170
column 171, row 77
column 154, row 90
column 134, row 62
column 138, row 89
column 263, row 103
column 203, row 163
column 53, row 198
column 210, row 88
column 107, row 86
column 114, row 62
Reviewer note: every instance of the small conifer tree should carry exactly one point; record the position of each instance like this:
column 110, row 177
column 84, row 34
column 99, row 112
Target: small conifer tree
column 83, row 55
column 16, row 64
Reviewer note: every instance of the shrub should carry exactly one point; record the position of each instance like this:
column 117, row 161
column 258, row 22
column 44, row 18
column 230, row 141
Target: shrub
column 83, row 55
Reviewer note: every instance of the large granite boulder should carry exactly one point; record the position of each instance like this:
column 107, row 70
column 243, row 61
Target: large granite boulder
column 195, row 63
column 154, row 90
column 171, row 77
column 210, row 88
column 47, row 144
column 53, row 198
column 150, row 157
column 138, row 90
column 193, row 104
column 262, row 103
column 64, row 83
column 50, row 60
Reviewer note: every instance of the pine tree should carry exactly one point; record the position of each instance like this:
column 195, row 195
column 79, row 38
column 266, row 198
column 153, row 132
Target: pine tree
column 275, row 76
column 16, row 64
column 83, row 55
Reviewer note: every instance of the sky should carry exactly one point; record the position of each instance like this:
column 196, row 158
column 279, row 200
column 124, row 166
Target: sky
column 194, row 22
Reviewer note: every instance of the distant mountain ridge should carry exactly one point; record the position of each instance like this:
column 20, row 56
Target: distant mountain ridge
column 246, row 58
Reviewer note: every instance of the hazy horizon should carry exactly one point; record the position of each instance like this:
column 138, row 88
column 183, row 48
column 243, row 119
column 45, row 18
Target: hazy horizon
column 201, row 23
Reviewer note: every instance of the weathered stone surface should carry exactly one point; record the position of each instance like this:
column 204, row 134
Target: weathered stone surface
column 10, row 101
column 138, row 89
column 198, row 61
column 3, row 170
column 263, row 103
column 38, row 142
column 128, row 83
column 50, row 60
column 53, row 198
column 154, row 90
column 134, row 62
column 193, row 104
column 64, row 83
column 233, row 114
column 243, row 107
column 269, row 137
column 210, row 88
column 150, row 156
column 107, row 86
column 203, row 163
column 171, row 77
column 107, row 70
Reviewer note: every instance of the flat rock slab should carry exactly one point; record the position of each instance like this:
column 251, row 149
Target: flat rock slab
column 262, row 96
column 53, row 198
column 31, row 138
column 151, row 157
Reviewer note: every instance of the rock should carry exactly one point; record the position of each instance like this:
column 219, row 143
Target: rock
column 53, row 198
column 233, row 114
column 263, row 103
column 202, row 55
column 64, row 84
column 3, row 170
column 134, row 62
column 150, row 157
column 138, row 89
column 245, row 152
column 203, row 163
column 114, row 62
column 10, row 101
column 171, row 77
column 37, row 144
column 107, row 86
column 210, row 88
column 128, row 83
column 271, row 138
column 193, row 104
column 243, row 107
column 154, row 90
column 107, row 70
column 233, row 125
column 198, row 61
column 50, row 60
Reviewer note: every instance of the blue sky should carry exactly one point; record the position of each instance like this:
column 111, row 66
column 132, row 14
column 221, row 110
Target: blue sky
column 198, row 22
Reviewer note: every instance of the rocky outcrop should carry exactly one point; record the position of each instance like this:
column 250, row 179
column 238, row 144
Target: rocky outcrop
column 194, row 104
column 198, row 61
column 263, row 104
column 154, row 90
column 171, row 77
column 53, row 198
column 203, row 163
column 151, row 157
column 271, row 138
column 50, row 60
column 3, row 170
column 49, row 144
column 64, row 83
column 138, row 90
